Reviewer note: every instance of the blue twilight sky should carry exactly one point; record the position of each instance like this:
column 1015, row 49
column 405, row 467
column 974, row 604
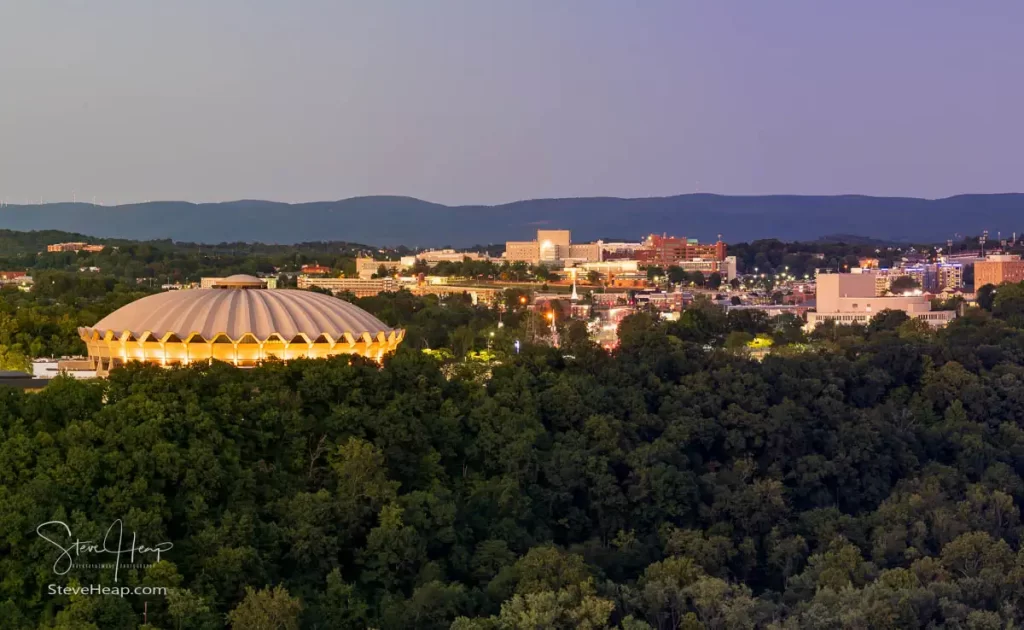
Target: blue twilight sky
column 488, row 101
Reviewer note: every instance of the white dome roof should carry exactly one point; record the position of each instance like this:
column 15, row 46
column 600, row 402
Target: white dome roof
column 235, row 312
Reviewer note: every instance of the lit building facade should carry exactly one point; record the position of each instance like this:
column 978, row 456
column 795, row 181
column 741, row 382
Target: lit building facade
column 664, row 251
column 725, row 268
column 998, row 269
column 933, row 277
column 433, row 257
column 359, row 287
column 239, row 322
column 316, row 270
column 74, row 247
column 552, row 248
column 851, row 298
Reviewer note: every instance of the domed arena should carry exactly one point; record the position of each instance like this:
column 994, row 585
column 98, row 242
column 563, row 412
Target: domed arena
column 239, row 321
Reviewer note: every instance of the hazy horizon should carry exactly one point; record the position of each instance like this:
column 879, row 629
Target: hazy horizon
column 464, row 103
column 14, row 202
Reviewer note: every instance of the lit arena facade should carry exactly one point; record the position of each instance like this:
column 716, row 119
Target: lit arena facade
column 239, row 321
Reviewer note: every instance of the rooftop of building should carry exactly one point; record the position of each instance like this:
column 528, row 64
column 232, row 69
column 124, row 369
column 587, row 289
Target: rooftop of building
column 237, row 309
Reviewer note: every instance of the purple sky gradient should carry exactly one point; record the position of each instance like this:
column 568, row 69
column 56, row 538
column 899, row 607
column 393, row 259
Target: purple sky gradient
column 469, row 101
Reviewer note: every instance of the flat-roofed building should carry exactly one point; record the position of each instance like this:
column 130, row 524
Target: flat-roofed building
column 435, row 256
column 74, row 247
column 210, row 283
column 998, row 269
column 359, row 287
column 585, row 252
column 849, row 298
column 316, row 270
column 664, row 251
column 522, row 251
column 725, row 268
column 607, row 267
column 367, row 267
column 552, row 248
column 618, row 250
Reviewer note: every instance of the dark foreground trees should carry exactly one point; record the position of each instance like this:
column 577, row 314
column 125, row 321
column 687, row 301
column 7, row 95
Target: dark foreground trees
column 872, row 481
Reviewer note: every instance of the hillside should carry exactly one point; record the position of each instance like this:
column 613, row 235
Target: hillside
column 389, row 221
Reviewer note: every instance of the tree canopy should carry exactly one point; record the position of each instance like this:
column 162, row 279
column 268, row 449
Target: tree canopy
column 872, row 479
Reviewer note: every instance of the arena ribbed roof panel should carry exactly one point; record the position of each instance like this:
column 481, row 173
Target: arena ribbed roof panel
column 235, row 312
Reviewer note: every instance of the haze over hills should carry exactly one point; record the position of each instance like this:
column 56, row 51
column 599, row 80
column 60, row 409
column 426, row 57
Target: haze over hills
column 389, row 221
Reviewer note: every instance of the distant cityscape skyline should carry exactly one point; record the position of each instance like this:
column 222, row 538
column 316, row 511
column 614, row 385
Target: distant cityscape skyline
column 467, row 103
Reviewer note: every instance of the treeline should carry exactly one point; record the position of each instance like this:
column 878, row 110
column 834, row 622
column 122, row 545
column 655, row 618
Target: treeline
column 167, row 261
column 44, row 322
column 770, row 256
column 871, row 478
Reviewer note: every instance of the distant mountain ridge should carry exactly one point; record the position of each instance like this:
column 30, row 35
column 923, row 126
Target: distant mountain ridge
column 390, row 220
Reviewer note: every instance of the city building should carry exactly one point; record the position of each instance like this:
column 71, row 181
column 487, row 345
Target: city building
column 725, row 268
column 15, row 277
column 367, row 267
column 628, row 279
column 949, row 276
column 81, row 368
column 964, row 258
column 19, row 279
column 610, row 299
column 660, row 300
column 74, row 247
column 609, row 268
column 933, row 277
column 359, row 287
column 22, row 380
column 665, row 251
column 433, row 257
column 316, row 270
column 552, row 248
column 237, row 321
column 616, row 251
column 998, row 269
column 849, row 298
column 209, row 283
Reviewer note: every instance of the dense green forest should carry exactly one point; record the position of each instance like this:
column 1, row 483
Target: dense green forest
column 866, row 477
column 165, row 261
